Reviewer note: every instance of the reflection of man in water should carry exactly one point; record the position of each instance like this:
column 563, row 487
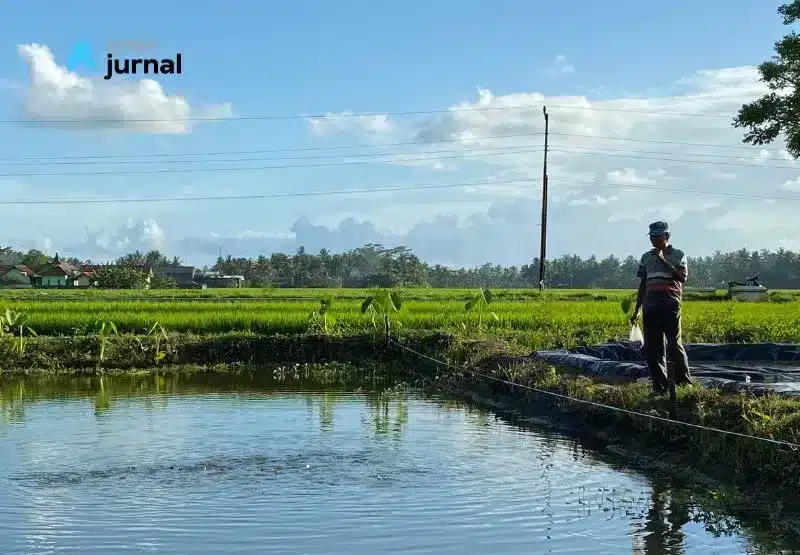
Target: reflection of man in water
column 667, row 515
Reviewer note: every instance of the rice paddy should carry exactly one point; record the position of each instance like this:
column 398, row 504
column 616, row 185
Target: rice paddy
column 557, row 319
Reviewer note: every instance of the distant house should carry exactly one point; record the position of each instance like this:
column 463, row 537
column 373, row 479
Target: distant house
column 58, row 274
column 217, row 280
column 86, row 278
column 184, row 276
column 17, row 276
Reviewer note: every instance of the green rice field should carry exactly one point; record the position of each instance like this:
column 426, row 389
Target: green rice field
column 557, row 318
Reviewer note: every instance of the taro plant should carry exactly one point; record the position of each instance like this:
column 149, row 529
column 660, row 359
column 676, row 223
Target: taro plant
column 159, row 333
column 478, row 303
column 381, row 305
column 319, row 319
column 104, row 329
column 13, row 324
column 626, row 303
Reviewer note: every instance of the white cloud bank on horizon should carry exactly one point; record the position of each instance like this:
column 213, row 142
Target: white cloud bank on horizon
column 55, row 93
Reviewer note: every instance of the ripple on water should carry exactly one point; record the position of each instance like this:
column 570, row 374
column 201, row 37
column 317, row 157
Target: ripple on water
column 312, row 473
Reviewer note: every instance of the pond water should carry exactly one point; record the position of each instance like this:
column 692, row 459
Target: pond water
column 240, row 464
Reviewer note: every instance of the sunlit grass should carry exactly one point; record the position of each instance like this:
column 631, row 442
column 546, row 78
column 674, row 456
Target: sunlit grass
column 555, row 320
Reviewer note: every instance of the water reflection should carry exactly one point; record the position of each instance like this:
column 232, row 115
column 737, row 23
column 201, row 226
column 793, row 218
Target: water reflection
column 478, row 462
column 661, row 531
column 12, row 402
column 388, row 413
column 659, row 519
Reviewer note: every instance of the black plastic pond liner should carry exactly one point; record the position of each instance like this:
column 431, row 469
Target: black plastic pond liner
column 754, row 367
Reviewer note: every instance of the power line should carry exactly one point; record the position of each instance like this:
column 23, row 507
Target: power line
column 708, row 162
column 387, row 145
column 654, row 112
column 511, row 150
column 658, row 141
column 275, row 150
column 386, row 157
column 391, row 189
column 281, row 167
column 464, row 152
column 388, row 189
column 604, row 149
column 645, row 187
column 368, row 114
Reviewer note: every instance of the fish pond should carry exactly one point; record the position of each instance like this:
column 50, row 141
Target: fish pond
column 246, row 463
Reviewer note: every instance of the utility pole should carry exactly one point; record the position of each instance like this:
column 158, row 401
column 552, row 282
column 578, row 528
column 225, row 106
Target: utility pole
column 543, row 252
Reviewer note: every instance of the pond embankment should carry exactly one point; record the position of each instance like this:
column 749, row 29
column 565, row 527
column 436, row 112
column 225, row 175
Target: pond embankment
column 489, row 372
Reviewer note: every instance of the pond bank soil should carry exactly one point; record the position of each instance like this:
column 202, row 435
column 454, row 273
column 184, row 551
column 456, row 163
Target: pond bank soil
column 748, row 463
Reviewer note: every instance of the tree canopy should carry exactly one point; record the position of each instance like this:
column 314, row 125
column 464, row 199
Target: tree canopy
column 379, row 266
column 776, row 113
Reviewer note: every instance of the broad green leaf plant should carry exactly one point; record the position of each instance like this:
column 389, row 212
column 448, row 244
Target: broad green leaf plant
column 13, row 324
column 319, row 318
column 382, row 305
column 478, row 303
column 104, row 329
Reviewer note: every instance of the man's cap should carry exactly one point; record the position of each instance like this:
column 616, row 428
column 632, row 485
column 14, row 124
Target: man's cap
column 658, row 228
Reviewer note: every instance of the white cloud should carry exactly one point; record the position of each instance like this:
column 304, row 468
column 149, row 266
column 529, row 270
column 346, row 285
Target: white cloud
column 792, row 184
column 669, row 211
column 762, row 157
column 758, row 218
column 142, row 235
column 55, row 93
column 596, row 199
column 560, row 65
column 423, row 160
column 630, row 176
column 346, row 122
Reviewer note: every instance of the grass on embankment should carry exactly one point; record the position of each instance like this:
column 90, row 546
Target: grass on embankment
column 341, row 293
column 309, row 294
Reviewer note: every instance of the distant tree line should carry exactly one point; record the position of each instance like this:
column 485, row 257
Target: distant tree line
column 36, row 259
column 375, row 265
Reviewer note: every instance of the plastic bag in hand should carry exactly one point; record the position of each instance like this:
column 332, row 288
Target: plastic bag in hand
column 635, row 337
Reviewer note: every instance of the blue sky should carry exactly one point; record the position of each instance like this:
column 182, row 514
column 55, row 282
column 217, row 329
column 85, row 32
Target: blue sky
column 302, row 58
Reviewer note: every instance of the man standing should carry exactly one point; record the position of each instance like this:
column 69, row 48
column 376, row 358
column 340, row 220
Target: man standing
column 663, row 272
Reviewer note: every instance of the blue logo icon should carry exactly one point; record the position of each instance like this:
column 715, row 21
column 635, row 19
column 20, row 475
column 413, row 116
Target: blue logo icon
column 81, row 57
